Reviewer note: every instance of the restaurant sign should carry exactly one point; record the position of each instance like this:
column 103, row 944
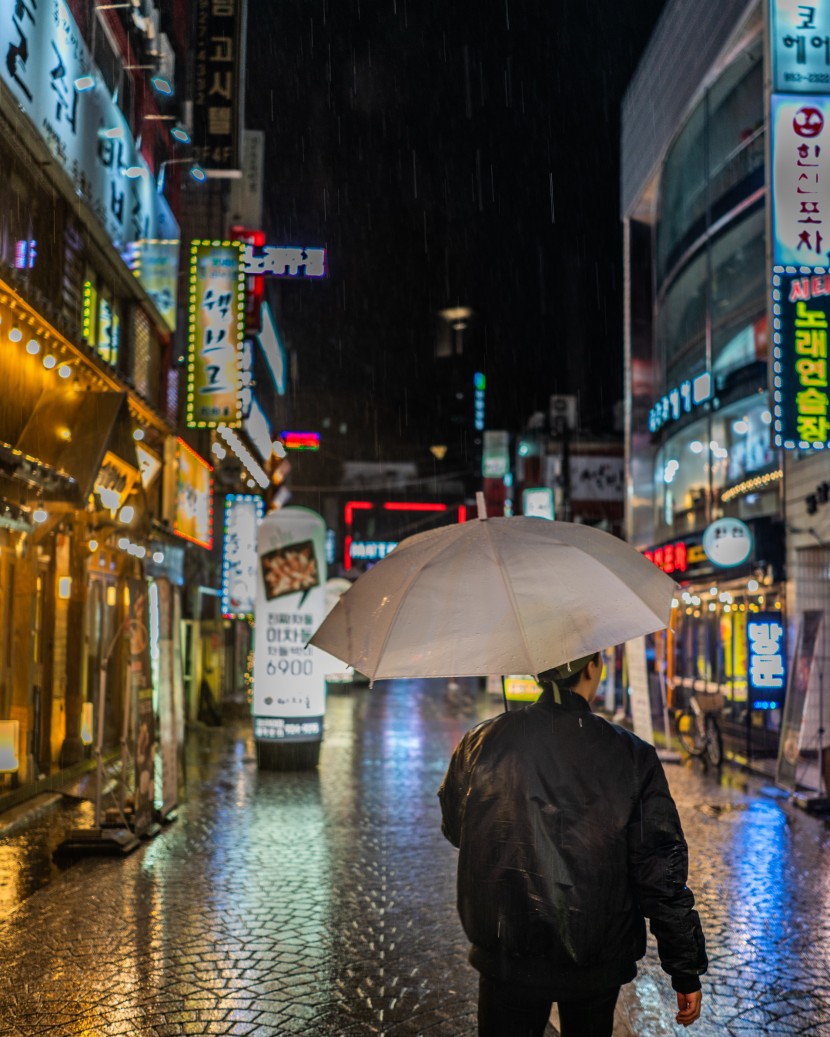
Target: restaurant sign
column 801, row 389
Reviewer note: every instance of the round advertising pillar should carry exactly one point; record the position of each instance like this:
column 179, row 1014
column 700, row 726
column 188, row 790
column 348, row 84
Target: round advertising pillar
column 289, row 693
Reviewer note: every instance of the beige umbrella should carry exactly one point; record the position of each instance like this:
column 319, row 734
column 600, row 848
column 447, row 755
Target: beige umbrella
column 495, row 596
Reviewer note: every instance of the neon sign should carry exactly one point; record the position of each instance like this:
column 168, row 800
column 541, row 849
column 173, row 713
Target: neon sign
column 766, row 662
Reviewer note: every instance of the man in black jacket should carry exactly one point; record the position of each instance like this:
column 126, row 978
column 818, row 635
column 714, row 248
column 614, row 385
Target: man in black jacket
column 569, row 838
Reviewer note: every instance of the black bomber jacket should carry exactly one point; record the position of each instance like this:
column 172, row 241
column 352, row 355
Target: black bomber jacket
column 568, row 838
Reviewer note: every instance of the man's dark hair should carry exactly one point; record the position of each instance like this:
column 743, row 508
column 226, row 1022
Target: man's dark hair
column 572, row 679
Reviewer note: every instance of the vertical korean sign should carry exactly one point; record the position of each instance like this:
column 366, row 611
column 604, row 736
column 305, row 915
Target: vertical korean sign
column 217, row 95
column 799, row 126
column 243, row 513
column 289, row 675
column 216, row 333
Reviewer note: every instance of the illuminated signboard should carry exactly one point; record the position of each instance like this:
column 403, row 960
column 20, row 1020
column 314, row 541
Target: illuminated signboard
column 479, row 388
column 193, row 505
column 216, row 333
column 272, row 348
column 284, row 261
column 682, row 400
column 727, row 542
column 370, row 550
column 50, row 72
column 156, row 265
column 800, row 44
column 766, row 659
column 254, row 286
column 243, row 513
column 521, row 689
column 801, row 389
column 356, row 548
column 538, row 501
column 800, row 180
column 300, row 440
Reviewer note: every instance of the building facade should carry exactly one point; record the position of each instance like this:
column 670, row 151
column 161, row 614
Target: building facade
column 703, row 472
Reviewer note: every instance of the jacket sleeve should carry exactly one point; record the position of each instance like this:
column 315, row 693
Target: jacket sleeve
column 659, row 864
column 453, row 793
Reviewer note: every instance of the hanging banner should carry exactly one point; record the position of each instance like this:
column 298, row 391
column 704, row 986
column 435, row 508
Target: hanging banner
column 243, row 513
column 289, row 675
column 635, row 657
column 215, row 335
column 792, row 722
column 141, row 691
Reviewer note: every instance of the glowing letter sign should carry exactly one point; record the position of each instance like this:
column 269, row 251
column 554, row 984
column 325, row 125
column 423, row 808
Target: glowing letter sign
column 801, row 386
column 766, row 659
column 216, row 333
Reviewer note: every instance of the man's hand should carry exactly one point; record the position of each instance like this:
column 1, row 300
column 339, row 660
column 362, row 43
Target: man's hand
column 689, row 1005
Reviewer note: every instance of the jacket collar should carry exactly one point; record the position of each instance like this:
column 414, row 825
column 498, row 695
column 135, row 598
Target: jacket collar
column 570, row 701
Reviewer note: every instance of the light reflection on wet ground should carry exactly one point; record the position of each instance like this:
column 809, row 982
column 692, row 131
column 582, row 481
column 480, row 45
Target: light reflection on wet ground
column 322, row 903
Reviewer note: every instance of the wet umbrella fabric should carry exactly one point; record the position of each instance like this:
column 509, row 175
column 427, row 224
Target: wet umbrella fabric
column 495, row 596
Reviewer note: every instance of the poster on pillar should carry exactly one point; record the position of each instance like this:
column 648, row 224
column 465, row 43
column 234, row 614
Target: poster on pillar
column 289, row 675
column 141, row 696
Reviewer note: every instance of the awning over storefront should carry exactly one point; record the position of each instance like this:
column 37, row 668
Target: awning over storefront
column 87, row 435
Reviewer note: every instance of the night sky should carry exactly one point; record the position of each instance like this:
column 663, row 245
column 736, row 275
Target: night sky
column 449, row 153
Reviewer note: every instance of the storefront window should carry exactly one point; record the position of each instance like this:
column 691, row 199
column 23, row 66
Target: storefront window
column 681, row 479
column 741, row 442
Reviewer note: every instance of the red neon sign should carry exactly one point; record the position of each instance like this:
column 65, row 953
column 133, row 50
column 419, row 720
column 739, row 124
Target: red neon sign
column 670, row 558
column 300, row 440
column 350, row 507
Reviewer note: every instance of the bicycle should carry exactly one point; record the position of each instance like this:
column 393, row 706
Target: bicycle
column 698, row 730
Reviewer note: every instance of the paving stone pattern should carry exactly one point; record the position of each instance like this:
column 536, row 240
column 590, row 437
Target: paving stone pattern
column 322, row 903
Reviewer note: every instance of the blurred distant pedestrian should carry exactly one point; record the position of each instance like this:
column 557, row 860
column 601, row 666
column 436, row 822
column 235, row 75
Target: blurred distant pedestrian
column 569, row 838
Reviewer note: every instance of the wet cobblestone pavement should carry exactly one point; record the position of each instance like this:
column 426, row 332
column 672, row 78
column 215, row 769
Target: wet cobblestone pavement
column 322, row 903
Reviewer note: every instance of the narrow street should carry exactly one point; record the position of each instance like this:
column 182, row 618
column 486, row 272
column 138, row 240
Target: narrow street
column 322, row 904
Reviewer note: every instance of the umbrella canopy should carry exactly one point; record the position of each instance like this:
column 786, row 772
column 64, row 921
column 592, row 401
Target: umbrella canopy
column 495, row 596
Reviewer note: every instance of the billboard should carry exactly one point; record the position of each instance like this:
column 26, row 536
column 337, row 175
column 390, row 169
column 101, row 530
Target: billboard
column 800, row 180
column 243, row 513
column 50, row 72
column 216, row 334
column 800, row 45
column 801, row 392
column 193, row 501
column 289, row 675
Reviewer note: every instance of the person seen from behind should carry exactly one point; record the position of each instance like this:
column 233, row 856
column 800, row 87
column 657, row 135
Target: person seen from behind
column 569, row 839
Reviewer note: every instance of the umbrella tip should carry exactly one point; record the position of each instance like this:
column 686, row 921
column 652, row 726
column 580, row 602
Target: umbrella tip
column 482, row 507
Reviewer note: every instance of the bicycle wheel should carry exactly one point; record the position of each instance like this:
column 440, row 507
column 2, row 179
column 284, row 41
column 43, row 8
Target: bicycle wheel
column 714, row 742
column 689, row 732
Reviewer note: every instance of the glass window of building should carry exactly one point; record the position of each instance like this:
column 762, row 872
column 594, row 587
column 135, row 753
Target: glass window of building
column 738, row 288
column 683, row 193
column 735, row 128
column 681, row 324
